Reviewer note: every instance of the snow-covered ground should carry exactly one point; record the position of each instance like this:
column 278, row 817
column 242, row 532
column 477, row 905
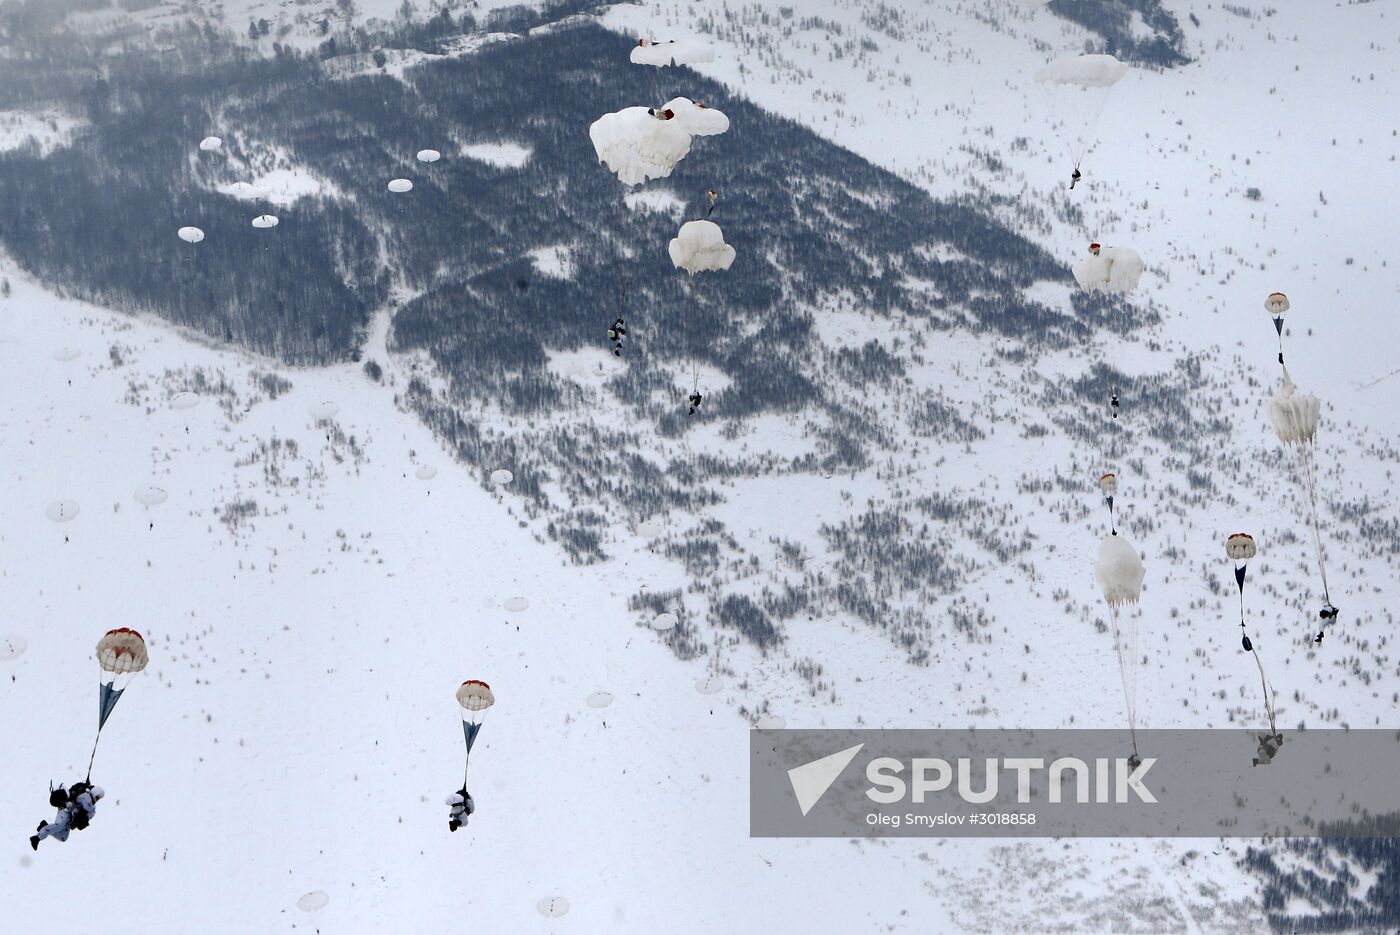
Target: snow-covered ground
column 297, row 731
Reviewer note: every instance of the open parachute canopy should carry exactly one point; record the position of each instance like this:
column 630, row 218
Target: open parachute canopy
column 696, row 119
column 265, row 221
column 639, row 146
column 122, row 651
column 1293, row 414
column 210, row 143
column 149, row 495
column 429, row 155
column 1120, row 571
column 672, row 52
column 190, row 234
column 1276, row 304
column 1084, row 71
column 475, row 695
column 398, row 186
column 1240, row 547
column 700, row 246
column 62, row 511
column 1108, row 485
column 1109, row 269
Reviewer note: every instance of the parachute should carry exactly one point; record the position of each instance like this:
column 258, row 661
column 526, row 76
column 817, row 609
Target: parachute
column 1086, row 80
column 1120, row 574
column 1277, row 305
column 149, row 496
column 637, row 145
column 475, row 698
column 771, row 722
column 1109, row 269
column 600, row 699
column 700, row 246
column 709, row 685
column 12, row 646
column 190, row 234
column 1295, row 416
column 62, row 511
column 651, row 528
column 310, row 902
column 265, row 221
column 66, row 354
column 696, row 119
column 425, row 472
column 1240, row 548
column 663, row 621
column 429, row 155
column 184, row 400
column 672, row 52
column 514, row 605
column 121, row 656
column 552, row 907
column 400, row 185
column 210, row 143
column 501, row 476
column 324, row 410
column 1108, row 486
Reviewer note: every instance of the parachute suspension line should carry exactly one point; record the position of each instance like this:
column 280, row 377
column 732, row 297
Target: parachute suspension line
column 1090, row 126
column 1126, row 656
column 695, row 374
column 1268, row 692
column 1307, row 457
column 93, row 757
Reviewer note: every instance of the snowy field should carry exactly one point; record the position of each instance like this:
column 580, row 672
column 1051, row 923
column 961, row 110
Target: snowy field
column 311, row 603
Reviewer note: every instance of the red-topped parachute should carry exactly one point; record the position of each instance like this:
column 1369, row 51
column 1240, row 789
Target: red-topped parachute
column 121, row 655
column 475, row 698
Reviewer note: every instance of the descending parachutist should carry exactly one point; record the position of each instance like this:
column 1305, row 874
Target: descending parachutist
column 1074, row 178
column 714, row 196
column 695, row 400
column 1113, row 403
column 1327, row 614
column 1268, row 748
column 615, row 334
column 76, row 808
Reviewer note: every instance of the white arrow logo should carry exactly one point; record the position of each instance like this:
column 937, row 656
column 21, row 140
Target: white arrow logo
column 811, row 780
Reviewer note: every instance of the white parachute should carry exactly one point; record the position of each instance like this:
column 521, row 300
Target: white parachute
column 696, row 119
column 709, row 685
column 1084, row 81
column 1120, row 573
column 265, row 221
column 600, row 699
column 1294, row 415
column 501, row 476
column 12, row 646
column 324, row 410
column 552, row 907
column 62, row 511
column 515, row 605
column 190, row 234
column 210, row 143
column 429, row 155
column 686, row 51
column 651, row 528
column 663, row 621
column 425, row 472
column 400, row 185
column 149, row 496
column 1109, row 269
column 66, row 354
column 700, row 246
column 184, row 400
column 310, row 902
column 638, row 145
